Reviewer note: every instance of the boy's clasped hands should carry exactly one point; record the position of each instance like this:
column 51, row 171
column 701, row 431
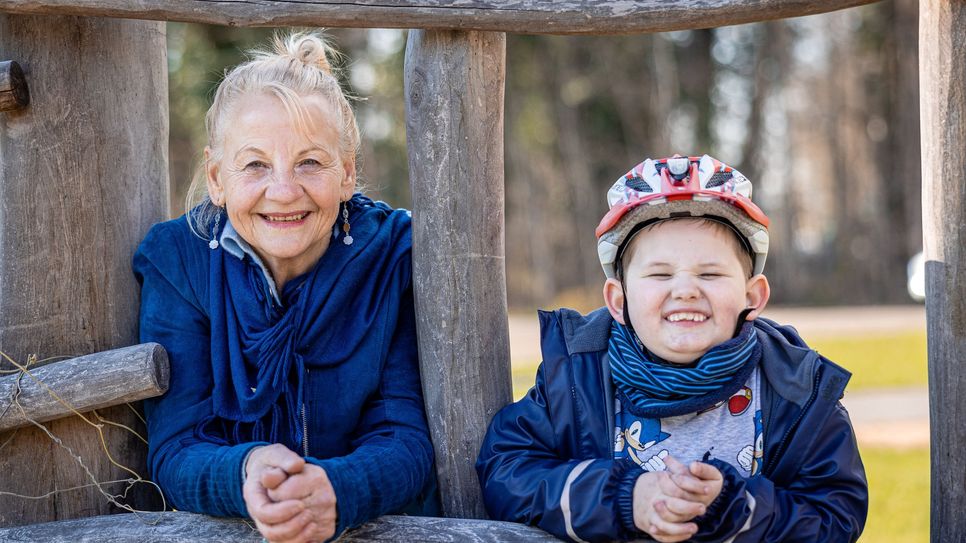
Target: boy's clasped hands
column 666, row 502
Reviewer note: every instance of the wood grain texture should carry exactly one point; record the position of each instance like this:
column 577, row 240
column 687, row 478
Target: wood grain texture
column 192, row 528
column 454, row 130
column 84, row 383
column 14, row 92
column 522, row 16
column 942, row 65
column 83, row 176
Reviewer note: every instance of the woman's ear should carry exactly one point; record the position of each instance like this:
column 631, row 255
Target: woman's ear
column 216, row 191
column 614, row 298
column 349, row 181
column 757, row 293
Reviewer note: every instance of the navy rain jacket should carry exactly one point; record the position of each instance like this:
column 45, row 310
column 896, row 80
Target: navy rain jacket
column 548, row 460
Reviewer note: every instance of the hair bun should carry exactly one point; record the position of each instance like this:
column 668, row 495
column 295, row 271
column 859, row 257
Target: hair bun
column 309, row 48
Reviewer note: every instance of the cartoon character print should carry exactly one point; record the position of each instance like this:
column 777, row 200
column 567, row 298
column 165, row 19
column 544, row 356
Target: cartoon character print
column 739, row 402
column 751, row 456
column 642, row 435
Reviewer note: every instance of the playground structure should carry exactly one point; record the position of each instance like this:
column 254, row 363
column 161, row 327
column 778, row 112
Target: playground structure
column 84, row 174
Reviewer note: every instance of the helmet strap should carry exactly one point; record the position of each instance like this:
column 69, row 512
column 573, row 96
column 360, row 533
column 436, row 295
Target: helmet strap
column 741, row 320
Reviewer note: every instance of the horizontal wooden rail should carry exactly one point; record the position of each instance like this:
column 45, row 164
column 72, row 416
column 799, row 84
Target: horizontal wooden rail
column 84, row 383
column 521, row 16
column 191, row 528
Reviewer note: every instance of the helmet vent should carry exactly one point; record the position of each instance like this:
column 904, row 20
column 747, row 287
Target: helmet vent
column 718, row 179
column 638, row 184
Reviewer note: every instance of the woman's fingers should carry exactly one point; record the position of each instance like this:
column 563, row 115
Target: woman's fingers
column 290, row 530
column 278, row 456
column 272, row 477
column 270, row 512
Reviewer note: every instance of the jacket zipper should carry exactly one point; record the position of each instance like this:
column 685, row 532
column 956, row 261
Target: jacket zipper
column 305, row 426
column 780, row 449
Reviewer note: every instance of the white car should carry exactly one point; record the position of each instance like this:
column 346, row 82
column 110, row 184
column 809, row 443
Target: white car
column 917, row 277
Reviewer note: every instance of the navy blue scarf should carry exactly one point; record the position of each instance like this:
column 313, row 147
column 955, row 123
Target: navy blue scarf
column 649, row 387
column 343, row 309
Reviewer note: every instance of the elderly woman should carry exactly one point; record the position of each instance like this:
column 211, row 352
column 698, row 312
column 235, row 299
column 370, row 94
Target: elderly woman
column 285, row 304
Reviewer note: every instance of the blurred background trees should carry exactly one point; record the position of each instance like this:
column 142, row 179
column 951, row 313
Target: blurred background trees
column 821, row 112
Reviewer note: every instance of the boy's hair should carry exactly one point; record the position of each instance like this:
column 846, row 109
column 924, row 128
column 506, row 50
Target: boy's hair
column 741, row 249
column 681, row 187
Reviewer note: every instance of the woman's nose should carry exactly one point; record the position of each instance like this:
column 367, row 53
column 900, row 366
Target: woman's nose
column 283, row 188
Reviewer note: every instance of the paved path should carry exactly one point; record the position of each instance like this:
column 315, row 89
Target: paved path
column 892, row 417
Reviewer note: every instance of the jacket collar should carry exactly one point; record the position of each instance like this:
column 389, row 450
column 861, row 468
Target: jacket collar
column 790, row 368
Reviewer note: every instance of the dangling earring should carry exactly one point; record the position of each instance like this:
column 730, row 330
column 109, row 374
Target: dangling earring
column 347, row 239
column 213, row 244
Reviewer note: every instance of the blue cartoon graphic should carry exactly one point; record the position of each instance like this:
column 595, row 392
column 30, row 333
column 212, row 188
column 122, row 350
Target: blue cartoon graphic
column 750, row 457
column 759, row 444
column 640, row 436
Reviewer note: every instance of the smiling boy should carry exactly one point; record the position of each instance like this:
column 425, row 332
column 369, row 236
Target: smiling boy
column 676, row 411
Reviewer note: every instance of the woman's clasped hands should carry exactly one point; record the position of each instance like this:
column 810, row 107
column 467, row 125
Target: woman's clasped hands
column 666, row 502
column 291, row 501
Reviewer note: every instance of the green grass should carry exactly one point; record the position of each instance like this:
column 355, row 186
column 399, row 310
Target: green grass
column 878, row 361
column 899, row 495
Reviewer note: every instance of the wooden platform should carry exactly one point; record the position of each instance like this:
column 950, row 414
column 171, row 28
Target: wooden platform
column 192, row 528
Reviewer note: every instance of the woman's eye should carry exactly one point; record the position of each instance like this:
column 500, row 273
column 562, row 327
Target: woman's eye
column 255, row 165
column 310, row 164
column 659, row 275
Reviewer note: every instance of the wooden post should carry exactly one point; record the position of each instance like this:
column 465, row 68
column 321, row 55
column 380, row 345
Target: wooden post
column 942, row 61
column 454, row 130
column 83, row 176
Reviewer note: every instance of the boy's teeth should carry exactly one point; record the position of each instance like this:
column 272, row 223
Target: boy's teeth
column 290, row 218
column 696, row 317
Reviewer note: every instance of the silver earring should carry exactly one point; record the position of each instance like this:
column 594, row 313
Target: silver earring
column 347, row 239
column 213, row 244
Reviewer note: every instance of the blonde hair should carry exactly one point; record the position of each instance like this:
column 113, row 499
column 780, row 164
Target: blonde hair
column 297, row 66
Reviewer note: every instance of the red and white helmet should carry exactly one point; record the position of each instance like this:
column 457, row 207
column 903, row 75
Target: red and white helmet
column 676, row 187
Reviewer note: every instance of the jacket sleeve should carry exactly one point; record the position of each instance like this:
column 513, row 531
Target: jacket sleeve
column 194, row 475
column 392, row 456
column 826, row 501
column 527, row 476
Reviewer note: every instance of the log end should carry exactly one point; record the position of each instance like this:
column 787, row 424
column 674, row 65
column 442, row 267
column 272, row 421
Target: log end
column 14, row 93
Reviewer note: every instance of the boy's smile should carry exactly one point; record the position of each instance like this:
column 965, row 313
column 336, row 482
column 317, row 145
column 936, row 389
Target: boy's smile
column 685, row 286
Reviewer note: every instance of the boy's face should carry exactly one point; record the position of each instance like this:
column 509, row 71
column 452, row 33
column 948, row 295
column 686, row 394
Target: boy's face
column 685, row 287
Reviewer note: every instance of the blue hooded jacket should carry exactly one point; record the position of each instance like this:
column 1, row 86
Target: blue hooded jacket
column 548, row 460
column 350, row 326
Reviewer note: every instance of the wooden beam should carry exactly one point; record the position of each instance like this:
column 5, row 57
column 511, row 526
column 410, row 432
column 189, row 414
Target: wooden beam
column 942, row 65
column 454, row 130
column 83, row 384
column 180, row 527
column 83, row 176
column 521, row 16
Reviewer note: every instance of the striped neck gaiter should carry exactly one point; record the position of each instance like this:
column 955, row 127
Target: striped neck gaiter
column 649, row 387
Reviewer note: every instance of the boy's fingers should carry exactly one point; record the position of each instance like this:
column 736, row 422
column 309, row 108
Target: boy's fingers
column 674, row 466
column 689, row 485
column 671, row 531
column 678, row 510
column 705, row 471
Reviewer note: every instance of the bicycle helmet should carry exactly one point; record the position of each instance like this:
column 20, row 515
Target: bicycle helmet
column 678, row 187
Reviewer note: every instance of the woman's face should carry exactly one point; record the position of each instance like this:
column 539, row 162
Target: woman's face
column 280, row 185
